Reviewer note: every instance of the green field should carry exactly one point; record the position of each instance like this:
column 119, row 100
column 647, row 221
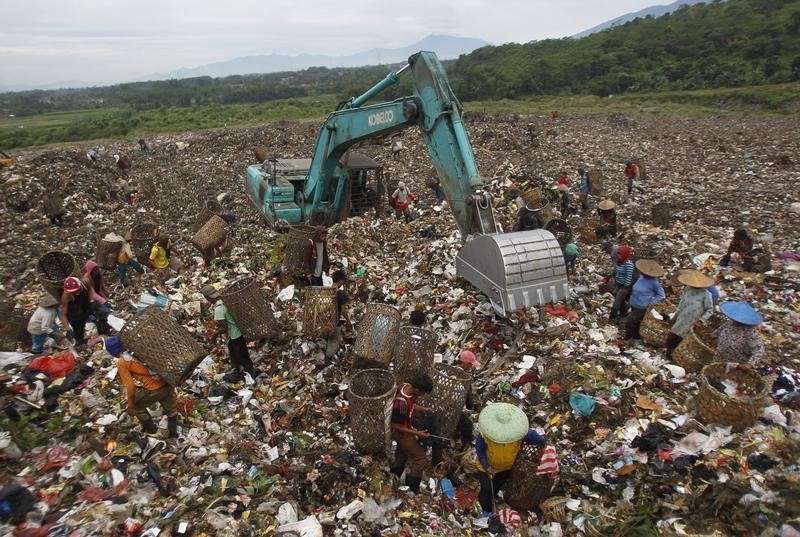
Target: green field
column 104, row 123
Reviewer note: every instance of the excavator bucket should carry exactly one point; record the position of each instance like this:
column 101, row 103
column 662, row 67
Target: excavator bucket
column 516, row 270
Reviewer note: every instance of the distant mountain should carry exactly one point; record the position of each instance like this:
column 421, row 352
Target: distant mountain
column 51, row 86
column 652, row 11
column 446, row 47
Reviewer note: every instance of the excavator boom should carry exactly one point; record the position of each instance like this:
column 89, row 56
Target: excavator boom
column 515, row 270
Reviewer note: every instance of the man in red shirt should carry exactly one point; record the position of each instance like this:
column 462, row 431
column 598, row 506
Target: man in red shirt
column 408, row 449
column 632, row 174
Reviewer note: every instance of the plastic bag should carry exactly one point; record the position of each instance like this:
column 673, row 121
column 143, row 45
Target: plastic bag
column 55, row 365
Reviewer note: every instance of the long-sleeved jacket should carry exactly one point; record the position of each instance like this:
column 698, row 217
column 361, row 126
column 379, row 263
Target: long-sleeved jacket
column 646, row 291
column 133, row 374
column 42, row 321
column 623, row 274
column 695, row 304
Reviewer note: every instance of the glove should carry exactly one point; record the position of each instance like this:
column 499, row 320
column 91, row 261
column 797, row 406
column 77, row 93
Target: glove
column 70, row 334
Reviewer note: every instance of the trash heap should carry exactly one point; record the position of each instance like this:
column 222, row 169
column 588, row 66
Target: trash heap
column 276, row 455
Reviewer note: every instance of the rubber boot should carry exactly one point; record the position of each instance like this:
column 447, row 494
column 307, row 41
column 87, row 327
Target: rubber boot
column 413, row 483
column 172, row 427
column 148, row 426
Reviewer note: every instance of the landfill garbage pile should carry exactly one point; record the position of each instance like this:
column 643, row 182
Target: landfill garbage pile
column 275, row 455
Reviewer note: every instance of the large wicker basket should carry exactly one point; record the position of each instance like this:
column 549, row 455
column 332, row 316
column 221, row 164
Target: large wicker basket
column 536, row 201
column 53, row 267
column 653, row 331
column 714, row 406
column 143, row 235
column 696, row 350
column 377, row 334
column 451, row 386
column 296, row 245
column 598, row 180
column 248, row 305
column 371, row 393
column 319, row 312
column 211, row 234
column 560, row 230
column 13, row 328
column 162, row 344
column 209, row 208
column 525, row 488
column 413, row 354
column 107, row 253
column 661, row 215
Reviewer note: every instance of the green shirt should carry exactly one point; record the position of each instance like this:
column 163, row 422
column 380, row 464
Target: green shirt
column 221, row 314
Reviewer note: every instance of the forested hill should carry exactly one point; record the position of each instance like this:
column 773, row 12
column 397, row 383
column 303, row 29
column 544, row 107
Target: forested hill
column 724, row 44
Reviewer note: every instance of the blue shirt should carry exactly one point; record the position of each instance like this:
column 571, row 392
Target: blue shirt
column 623, row 274
column 584, row 184
column 646, row 291
column 714, row 290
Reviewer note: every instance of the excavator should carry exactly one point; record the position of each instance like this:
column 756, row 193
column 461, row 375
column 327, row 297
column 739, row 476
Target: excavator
column 515, row 270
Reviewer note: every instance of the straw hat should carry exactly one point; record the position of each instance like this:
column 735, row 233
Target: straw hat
column 741, row 312
column 210, row 292
column 503, row 423
column 696, row 279
column 48, row 302
column 649, row 267
column 606, row 205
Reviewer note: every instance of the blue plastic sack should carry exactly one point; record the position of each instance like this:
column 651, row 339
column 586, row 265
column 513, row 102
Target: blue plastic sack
column 582, row 403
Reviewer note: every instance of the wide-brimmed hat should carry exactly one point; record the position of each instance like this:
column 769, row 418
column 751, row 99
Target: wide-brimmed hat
column 48, row 302
column 210, row 292
column 741, row 312
column 503, row 423
column 401, row 184
column 696, row 279
column 468, row 357
column 649, row 267
column 606, row 205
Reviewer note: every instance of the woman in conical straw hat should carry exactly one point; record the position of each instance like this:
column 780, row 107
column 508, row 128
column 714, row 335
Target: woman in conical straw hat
column 695, row 306
column 646, row 292
column 738, row 337
column 503, row 429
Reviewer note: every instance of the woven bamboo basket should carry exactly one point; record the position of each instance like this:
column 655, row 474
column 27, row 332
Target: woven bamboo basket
column 598, row 180
column 714, row 406
column 14, row 328
column 107, row 253
column 210, row 234
column 209, row 208
column 696, row 350
column 162, row 344
column 377, row 334
column 319, row 312
column 250, row 308
column 53, row 267
column 757, row 261
column 536, row 201
column 560, row 229
column 662, row 215
column 554, row 509
column 450, row 389
column 653, row 331
column 296, row 245
column 143, row 235
column 371, row 393
column 526, row 489
column 413, row 354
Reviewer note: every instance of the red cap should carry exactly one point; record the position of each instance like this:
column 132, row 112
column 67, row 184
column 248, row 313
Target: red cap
column 72, row 284
column 468, row 357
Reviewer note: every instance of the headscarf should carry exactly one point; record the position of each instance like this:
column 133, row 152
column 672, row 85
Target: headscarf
column 98, row 284
column 623, row 255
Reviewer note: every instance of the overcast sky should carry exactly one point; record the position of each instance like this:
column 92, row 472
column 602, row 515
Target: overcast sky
column 106, row 41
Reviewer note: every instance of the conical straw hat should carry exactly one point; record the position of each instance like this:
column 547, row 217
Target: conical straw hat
column 649, row 267
column 503, row 423
column 696, row 279
column 606, row 205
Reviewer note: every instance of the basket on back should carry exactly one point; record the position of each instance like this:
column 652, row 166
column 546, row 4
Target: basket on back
column 209, row 208
column 451, row 386
column 376, row 336
column 143, row 236
column 653, row 331
column 13, row 327
column 107, row 253
column 696, row 350
column 525, row 488
column 740, row 409
column 560, row 230
column 162, row 345
column 319, row 311
column 211, row 234
column 250, row 308
column 598, row 180
column 370, row 394
column 413, row 354
column 53, row 268
column 296, row 246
